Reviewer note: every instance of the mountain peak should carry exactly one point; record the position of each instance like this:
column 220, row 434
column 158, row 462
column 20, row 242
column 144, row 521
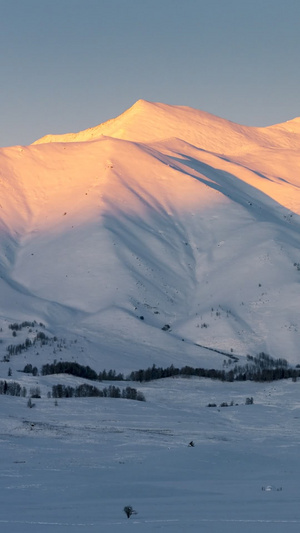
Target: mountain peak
column 152, row 122
column 107, row 128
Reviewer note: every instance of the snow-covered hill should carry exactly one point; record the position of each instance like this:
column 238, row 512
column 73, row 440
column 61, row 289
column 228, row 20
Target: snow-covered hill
column 163, row 216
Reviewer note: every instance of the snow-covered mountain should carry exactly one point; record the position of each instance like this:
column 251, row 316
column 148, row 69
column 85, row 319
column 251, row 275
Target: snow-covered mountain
column 162, row 216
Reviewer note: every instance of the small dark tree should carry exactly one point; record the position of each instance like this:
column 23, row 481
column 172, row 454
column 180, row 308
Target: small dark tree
column 35, row 392
column 128, row 510
column 30, row 404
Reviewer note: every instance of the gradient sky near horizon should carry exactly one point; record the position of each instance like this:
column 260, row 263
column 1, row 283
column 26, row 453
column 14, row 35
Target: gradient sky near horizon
column 67, row 65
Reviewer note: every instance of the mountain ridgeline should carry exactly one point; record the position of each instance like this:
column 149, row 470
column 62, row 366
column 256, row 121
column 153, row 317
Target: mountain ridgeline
column 163, row 236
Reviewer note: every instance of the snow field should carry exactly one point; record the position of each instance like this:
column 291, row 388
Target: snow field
column 77, row 464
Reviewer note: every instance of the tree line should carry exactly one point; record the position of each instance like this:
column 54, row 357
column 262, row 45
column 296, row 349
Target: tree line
column 12, row 388
column 67, row 367
column 26, row 324
column 259, row 368
column 86, row 390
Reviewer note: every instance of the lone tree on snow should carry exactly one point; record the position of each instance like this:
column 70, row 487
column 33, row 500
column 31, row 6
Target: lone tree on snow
column 128, row 510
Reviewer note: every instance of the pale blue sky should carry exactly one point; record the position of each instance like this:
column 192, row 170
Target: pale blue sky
column 66, row 65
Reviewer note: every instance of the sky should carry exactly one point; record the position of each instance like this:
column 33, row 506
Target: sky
column 67, row 65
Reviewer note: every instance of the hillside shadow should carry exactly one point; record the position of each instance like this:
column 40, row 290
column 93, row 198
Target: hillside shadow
column 259, row 204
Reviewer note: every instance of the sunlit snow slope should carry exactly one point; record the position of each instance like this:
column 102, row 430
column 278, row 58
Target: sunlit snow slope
column 164, row 215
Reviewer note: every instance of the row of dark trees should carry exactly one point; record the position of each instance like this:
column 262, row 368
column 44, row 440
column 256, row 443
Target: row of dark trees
column 29, row 369
column 258, row 368
column 12, row 388
column 154, row 372
column 81, row 371
column 67, row 367
column 86, row 390
column 26, row 324
column 261, row 369
column 264, row 360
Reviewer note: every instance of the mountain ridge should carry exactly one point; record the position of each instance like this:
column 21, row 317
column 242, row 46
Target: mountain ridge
column 113, row 238
column 149, row 115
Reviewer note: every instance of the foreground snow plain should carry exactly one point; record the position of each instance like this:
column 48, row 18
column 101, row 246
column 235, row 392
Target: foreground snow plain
column 73, row 466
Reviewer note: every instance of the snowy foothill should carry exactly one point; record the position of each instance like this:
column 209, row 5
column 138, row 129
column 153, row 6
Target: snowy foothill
column 166, row 236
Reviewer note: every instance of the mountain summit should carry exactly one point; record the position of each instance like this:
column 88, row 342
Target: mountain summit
column 163, row 216
column 149, row 122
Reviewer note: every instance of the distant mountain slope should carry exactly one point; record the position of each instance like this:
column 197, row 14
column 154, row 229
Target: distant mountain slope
column 163, row 216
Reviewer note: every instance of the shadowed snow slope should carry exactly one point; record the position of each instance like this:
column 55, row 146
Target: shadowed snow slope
column 164, row 215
